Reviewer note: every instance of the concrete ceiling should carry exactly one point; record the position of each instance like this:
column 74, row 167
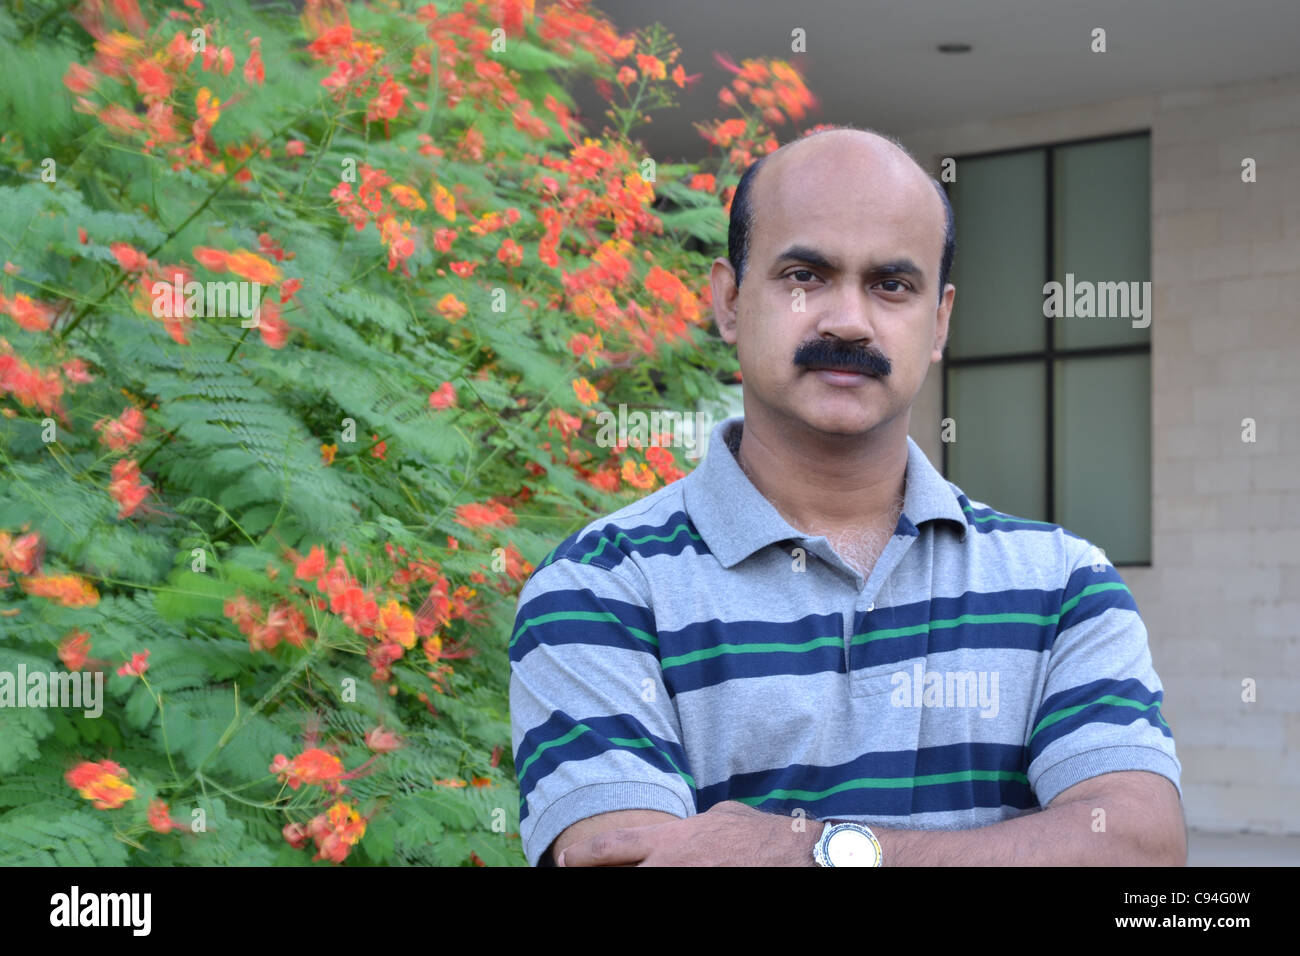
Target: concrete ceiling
column 874, row 62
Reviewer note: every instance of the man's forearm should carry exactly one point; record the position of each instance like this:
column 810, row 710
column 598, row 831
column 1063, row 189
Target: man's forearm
column 1065, row 834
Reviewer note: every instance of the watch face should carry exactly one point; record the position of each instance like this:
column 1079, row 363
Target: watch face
column 848, row 847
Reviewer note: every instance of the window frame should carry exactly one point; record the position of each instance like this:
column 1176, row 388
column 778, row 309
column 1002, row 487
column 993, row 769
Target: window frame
column 1050, row 353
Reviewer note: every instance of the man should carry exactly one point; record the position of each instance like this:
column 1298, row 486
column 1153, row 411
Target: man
column 814, row 625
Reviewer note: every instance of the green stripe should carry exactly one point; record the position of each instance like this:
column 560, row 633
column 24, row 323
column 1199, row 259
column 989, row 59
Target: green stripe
column 1111, row 699
column 587, row 558
column 580, row 729
column 1010, row 617
column 889, row 783
column 1092, row 589
column 583, row 616
column 999, row 517
column 771, row 647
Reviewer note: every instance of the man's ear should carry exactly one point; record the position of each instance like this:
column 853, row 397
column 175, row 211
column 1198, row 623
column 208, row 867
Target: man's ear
column 941, row 323
column 722, row 280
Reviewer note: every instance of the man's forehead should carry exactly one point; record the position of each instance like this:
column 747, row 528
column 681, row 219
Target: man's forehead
column 843, row 177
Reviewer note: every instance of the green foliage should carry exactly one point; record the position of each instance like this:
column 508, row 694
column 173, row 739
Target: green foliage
column 312, row 432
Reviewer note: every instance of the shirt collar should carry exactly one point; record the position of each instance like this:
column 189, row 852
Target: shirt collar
column 735, row 519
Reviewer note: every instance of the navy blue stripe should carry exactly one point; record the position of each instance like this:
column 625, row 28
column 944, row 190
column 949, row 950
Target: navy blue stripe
column 600, row 633
column 1099, row 602
column 1027, row 636
column 620, row 542
column 902, row 801
column 591, row 743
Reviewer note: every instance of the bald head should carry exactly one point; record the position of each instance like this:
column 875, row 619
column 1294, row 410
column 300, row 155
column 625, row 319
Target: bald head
column 877, row 162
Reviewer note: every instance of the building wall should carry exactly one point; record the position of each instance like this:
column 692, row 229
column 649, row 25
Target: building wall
column 1221, row 600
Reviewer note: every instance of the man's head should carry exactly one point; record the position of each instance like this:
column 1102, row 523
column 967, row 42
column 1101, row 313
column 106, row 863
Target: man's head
column 844, row 244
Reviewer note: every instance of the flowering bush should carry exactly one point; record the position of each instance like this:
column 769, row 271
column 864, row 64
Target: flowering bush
column 303, row 325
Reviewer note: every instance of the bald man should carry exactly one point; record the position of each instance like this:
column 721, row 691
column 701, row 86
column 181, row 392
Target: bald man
column 814, row 650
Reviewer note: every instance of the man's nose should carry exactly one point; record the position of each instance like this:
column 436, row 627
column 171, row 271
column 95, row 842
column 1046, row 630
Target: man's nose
column 849, row 315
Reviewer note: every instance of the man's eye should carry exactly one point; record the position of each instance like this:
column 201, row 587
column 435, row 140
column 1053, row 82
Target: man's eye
column 902, row 285
column 798, row 273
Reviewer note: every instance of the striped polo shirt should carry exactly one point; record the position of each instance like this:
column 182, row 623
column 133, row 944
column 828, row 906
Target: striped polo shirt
column 693, row 647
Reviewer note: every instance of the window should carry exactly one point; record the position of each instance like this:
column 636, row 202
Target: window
column 1049, row 388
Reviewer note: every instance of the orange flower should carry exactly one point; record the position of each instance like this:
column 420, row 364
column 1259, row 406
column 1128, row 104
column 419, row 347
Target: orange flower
column 126, row 488
column 31, row 315
column 397, row 624
column 638, row 475
column 651, row 66
column 585, row 391
column 74, row 649
column 76, row 372
column 314, row 766
column 626, row 76
column 66, row 589
column 444, row 202
column 160, row 817
column 100, row 782
column 492, row 514
column 252, row 267
column 295, row 147
column 406, row 197
column 254, row 70
column 450, row 782
column 273, row 328
column 327, row 453
column 452, row 309
column 20, row 555
column 511, row 253
column 464, row 269
column 312, row 566
column 380, row 449
column 336, row 831
column 124, row 431
column 214, row 260
column 704, row 182
column 444, row 396
column 443, row 238
column 136, row 666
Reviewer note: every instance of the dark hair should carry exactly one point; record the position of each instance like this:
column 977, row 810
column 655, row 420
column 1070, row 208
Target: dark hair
column 742, row 220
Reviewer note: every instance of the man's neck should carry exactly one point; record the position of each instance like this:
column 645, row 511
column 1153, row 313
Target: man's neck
column 824, row 482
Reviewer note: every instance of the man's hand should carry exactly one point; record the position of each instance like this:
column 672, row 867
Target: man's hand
column 727, row 834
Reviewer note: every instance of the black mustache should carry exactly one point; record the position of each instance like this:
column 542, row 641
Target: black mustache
column 841, row 357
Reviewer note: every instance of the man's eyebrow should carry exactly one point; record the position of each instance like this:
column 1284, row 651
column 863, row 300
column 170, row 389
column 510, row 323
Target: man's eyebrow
column 892, row 267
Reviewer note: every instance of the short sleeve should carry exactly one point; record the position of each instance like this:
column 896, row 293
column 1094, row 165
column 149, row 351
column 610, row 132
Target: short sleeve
column 593, row 727
column 1100, row 710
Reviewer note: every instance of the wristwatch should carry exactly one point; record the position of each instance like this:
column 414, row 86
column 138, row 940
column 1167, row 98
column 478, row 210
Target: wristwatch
column 847, row 844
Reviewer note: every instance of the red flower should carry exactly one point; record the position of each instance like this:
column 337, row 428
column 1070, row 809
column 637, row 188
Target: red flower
column 444, row 396
column 126, row 488
column 314, row 766
column 492, row 514
column 136, row 666
column 160, row 817
column 100, row 782
column 74, row 649
column 31, row 315
column 382, row 741
column 124, row 431
column 312, row 566
column 20, row 555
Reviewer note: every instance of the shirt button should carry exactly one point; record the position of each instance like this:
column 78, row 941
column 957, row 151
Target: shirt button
column 871, row 606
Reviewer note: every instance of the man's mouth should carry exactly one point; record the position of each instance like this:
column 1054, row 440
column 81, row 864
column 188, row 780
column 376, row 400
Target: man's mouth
column 841, row 375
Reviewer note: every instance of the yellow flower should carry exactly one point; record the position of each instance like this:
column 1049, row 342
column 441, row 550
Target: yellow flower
column 585, row 391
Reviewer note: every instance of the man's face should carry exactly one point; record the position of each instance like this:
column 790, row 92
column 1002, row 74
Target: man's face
column 842, row 273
